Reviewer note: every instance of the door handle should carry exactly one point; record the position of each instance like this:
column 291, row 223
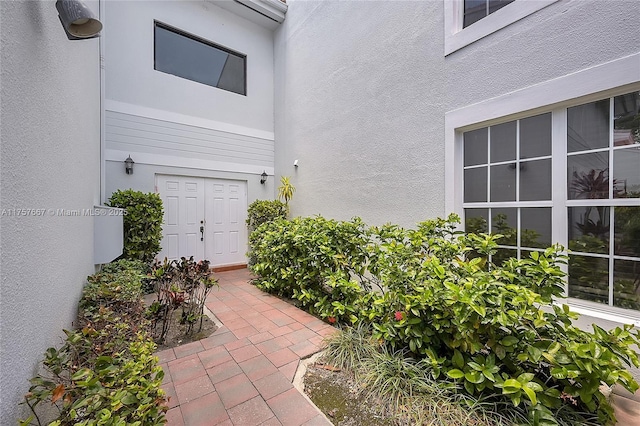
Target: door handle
column 202, row 230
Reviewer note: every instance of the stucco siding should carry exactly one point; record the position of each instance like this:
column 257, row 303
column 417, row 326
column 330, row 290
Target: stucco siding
column 50, row 159
column 359, row 103
column 362, row 90
column 564, row 38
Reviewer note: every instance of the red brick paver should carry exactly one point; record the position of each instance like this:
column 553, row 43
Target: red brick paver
column 242, row 374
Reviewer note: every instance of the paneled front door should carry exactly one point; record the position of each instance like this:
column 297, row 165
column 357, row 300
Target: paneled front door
column 203, row 218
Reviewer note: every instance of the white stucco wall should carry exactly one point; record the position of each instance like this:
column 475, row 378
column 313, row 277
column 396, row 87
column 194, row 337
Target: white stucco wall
column 49, row 159
column 362, row 89
column 129, row 65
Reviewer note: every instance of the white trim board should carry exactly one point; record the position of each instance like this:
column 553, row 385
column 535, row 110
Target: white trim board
column 189, row 120
column 188, row 163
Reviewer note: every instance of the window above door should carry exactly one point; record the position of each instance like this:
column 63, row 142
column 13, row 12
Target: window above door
column 193, row 58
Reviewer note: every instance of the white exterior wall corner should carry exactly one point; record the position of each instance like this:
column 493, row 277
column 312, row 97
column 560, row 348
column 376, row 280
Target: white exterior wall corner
column 359, row 103
column 49, row 158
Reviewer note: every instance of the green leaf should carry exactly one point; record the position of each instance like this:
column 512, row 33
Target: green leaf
column 458, row 359
column 531, row 394
column 455, row 373
column 509, row 341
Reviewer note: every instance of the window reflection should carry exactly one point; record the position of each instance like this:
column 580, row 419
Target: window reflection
column 627, row 231
column 626, row 284
column 502, row 255
column 505, row 222
column 626, row 173
column 588, row 176
column 536, row 227
column 588, row 126
column 476, row 221
column 589, row 278
column 626, row 123
column 589, row 229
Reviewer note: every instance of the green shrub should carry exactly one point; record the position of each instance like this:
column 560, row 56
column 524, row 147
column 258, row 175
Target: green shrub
column 142, row 223
column 314, row 260
column 105, row 372
column 493, row 329
column 264, row 211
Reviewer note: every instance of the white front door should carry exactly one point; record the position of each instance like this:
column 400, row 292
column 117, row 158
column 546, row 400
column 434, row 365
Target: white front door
column 203, row 218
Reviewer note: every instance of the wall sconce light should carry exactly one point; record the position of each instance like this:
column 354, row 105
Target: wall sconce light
column 78, row 20
column 128, row 165
column 263, row 177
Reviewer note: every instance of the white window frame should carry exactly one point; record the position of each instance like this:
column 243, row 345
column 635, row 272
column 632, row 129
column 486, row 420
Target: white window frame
column 456, row 37
column 602, row 81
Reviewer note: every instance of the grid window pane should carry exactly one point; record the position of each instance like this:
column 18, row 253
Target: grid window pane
column 476, row 221
column 475, row 185
column 589, row 229
column 475, row 147
column 626, row 284
column 588, row 126
column 626, row 233
column 626, row 173
column 626, row 123
column 588, row 176
column 535, row 223
column 535, row 136
column 503, row 182
column 589, row 278
column 502, row 255
column 505, row 222
column 535, row 180
column 503, row 142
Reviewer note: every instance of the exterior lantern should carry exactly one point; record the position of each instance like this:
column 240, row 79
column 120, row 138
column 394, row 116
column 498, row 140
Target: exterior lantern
column 128, row 165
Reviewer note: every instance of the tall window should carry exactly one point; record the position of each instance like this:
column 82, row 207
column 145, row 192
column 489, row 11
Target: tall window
column 508, row 175
column 475, row 10
column 603, row 181
column 187, row 56
column 507, row 183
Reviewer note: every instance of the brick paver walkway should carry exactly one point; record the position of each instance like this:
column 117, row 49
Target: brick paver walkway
column 242, row 374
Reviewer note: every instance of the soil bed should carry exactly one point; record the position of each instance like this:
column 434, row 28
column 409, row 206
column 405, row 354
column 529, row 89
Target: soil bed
column 336, row 394
column 176, row 334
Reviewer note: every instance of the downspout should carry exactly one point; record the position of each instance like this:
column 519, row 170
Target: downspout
column 101, row 48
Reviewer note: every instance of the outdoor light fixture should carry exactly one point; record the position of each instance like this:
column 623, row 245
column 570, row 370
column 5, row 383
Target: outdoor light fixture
column 263, row 177
column 128, row 165
column 78, row 20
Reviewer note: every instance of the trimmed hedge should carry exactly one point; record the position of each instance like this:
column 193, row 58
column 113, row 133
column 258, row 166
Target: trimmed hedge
column 105, row 373
column 142, row 223
column 491, row 329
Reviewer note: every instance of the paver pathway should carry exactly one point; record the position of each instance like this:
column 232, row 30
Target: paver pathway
column 242, row 374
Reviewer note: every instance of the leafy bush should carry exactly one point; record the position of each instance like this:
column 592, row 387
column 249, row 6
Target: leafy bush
column 142, row 223
column 263, row 211
column 491, row 328
column 105, row 372
column 315, row 261
column 180, row 285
